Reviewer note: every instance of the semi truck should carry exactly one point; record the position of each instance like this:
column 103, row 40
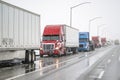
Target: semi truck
column 84, row 42
column 103, row 41
column 96, row 41
column 59, row 40
column 116, row 42
column 19, row 34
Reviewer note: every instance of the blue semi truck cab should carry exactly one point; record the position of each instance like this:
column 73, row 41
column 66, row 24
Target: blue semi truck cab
column 84, row 41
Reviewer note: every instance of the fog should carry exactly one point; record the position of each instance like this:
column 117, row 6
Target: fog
column 58, row 12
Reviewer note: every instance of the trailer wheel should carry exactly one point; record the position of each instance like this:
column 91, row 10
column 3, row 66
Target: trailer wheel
column 32, row 56
column 75, row 50
column 28, row 56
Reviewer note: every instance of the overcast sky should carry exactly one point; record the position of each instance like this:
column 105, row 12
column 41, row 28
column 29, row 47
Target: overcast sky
column 58, row 12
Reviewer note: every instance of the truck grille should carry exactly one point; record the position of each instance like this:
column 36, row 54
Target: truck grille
column 81, row 46
column 48, row 47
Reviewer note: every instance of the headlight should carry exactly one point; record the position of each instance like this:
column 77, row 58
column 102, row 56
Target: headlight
column 57, row 48
column 86, row 46
column 41, row 48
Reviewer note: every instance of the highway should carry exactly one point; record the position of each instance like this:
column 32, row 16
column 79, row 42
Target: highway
column 69, row 69
column 108, row 69
column 8, row 72
column 37, row 41
column 112, row 70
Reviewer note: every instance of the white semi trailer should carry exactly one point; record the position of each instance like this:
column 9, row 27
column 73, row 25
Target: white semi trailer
column 19, row 33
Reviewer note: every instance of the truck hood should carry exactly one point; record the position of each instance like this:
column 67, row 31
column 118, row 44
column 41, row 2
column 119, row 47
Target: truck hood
column 52, row 41
column 83, row 43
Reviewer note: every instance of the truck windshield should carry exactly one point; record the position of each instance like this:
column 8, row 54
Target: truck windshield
column 83, row 40
column 49, row 37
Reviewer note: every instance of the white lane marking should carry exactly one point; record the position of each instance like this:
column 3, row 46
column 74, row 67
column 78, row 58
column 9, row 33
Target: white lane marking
column 15, row 77
column 101, row 67
column 86, row 54
column 109, row 60
column 69, row 60
column 92, row 76
column 101, row 74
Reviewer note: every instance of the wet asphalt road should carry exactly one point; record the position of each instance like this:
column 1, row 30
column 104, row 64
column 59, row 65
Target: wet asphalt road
column 9, row 72
column 108, row 69
column 65, row 66
column 112, row 71
column 73, row 71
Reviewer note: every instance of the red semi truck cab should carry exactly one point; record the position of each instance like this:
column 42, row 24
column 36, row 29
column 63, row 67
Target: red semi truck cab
column 96, row 41
column 103, row 41
column 52, row 42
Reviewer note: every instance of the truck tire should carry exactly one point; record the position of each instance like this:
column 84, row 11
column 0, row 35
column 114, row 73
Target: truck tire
column 88, row 49
column 41, row 55
column 76, row 50
column 30, row 57
column 27, row 56
column 33, row 56
column 64, row 52
column 60, row 54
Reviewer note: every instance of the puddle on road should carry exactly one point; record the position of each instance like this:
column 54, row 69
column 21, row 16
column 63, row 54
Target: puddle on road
column 40, row 64
column 47, row 61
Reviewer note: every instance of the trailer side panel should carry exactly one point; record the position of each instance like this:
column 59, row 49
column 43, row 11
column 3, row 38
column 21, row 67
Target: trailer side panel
column 19, row 28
